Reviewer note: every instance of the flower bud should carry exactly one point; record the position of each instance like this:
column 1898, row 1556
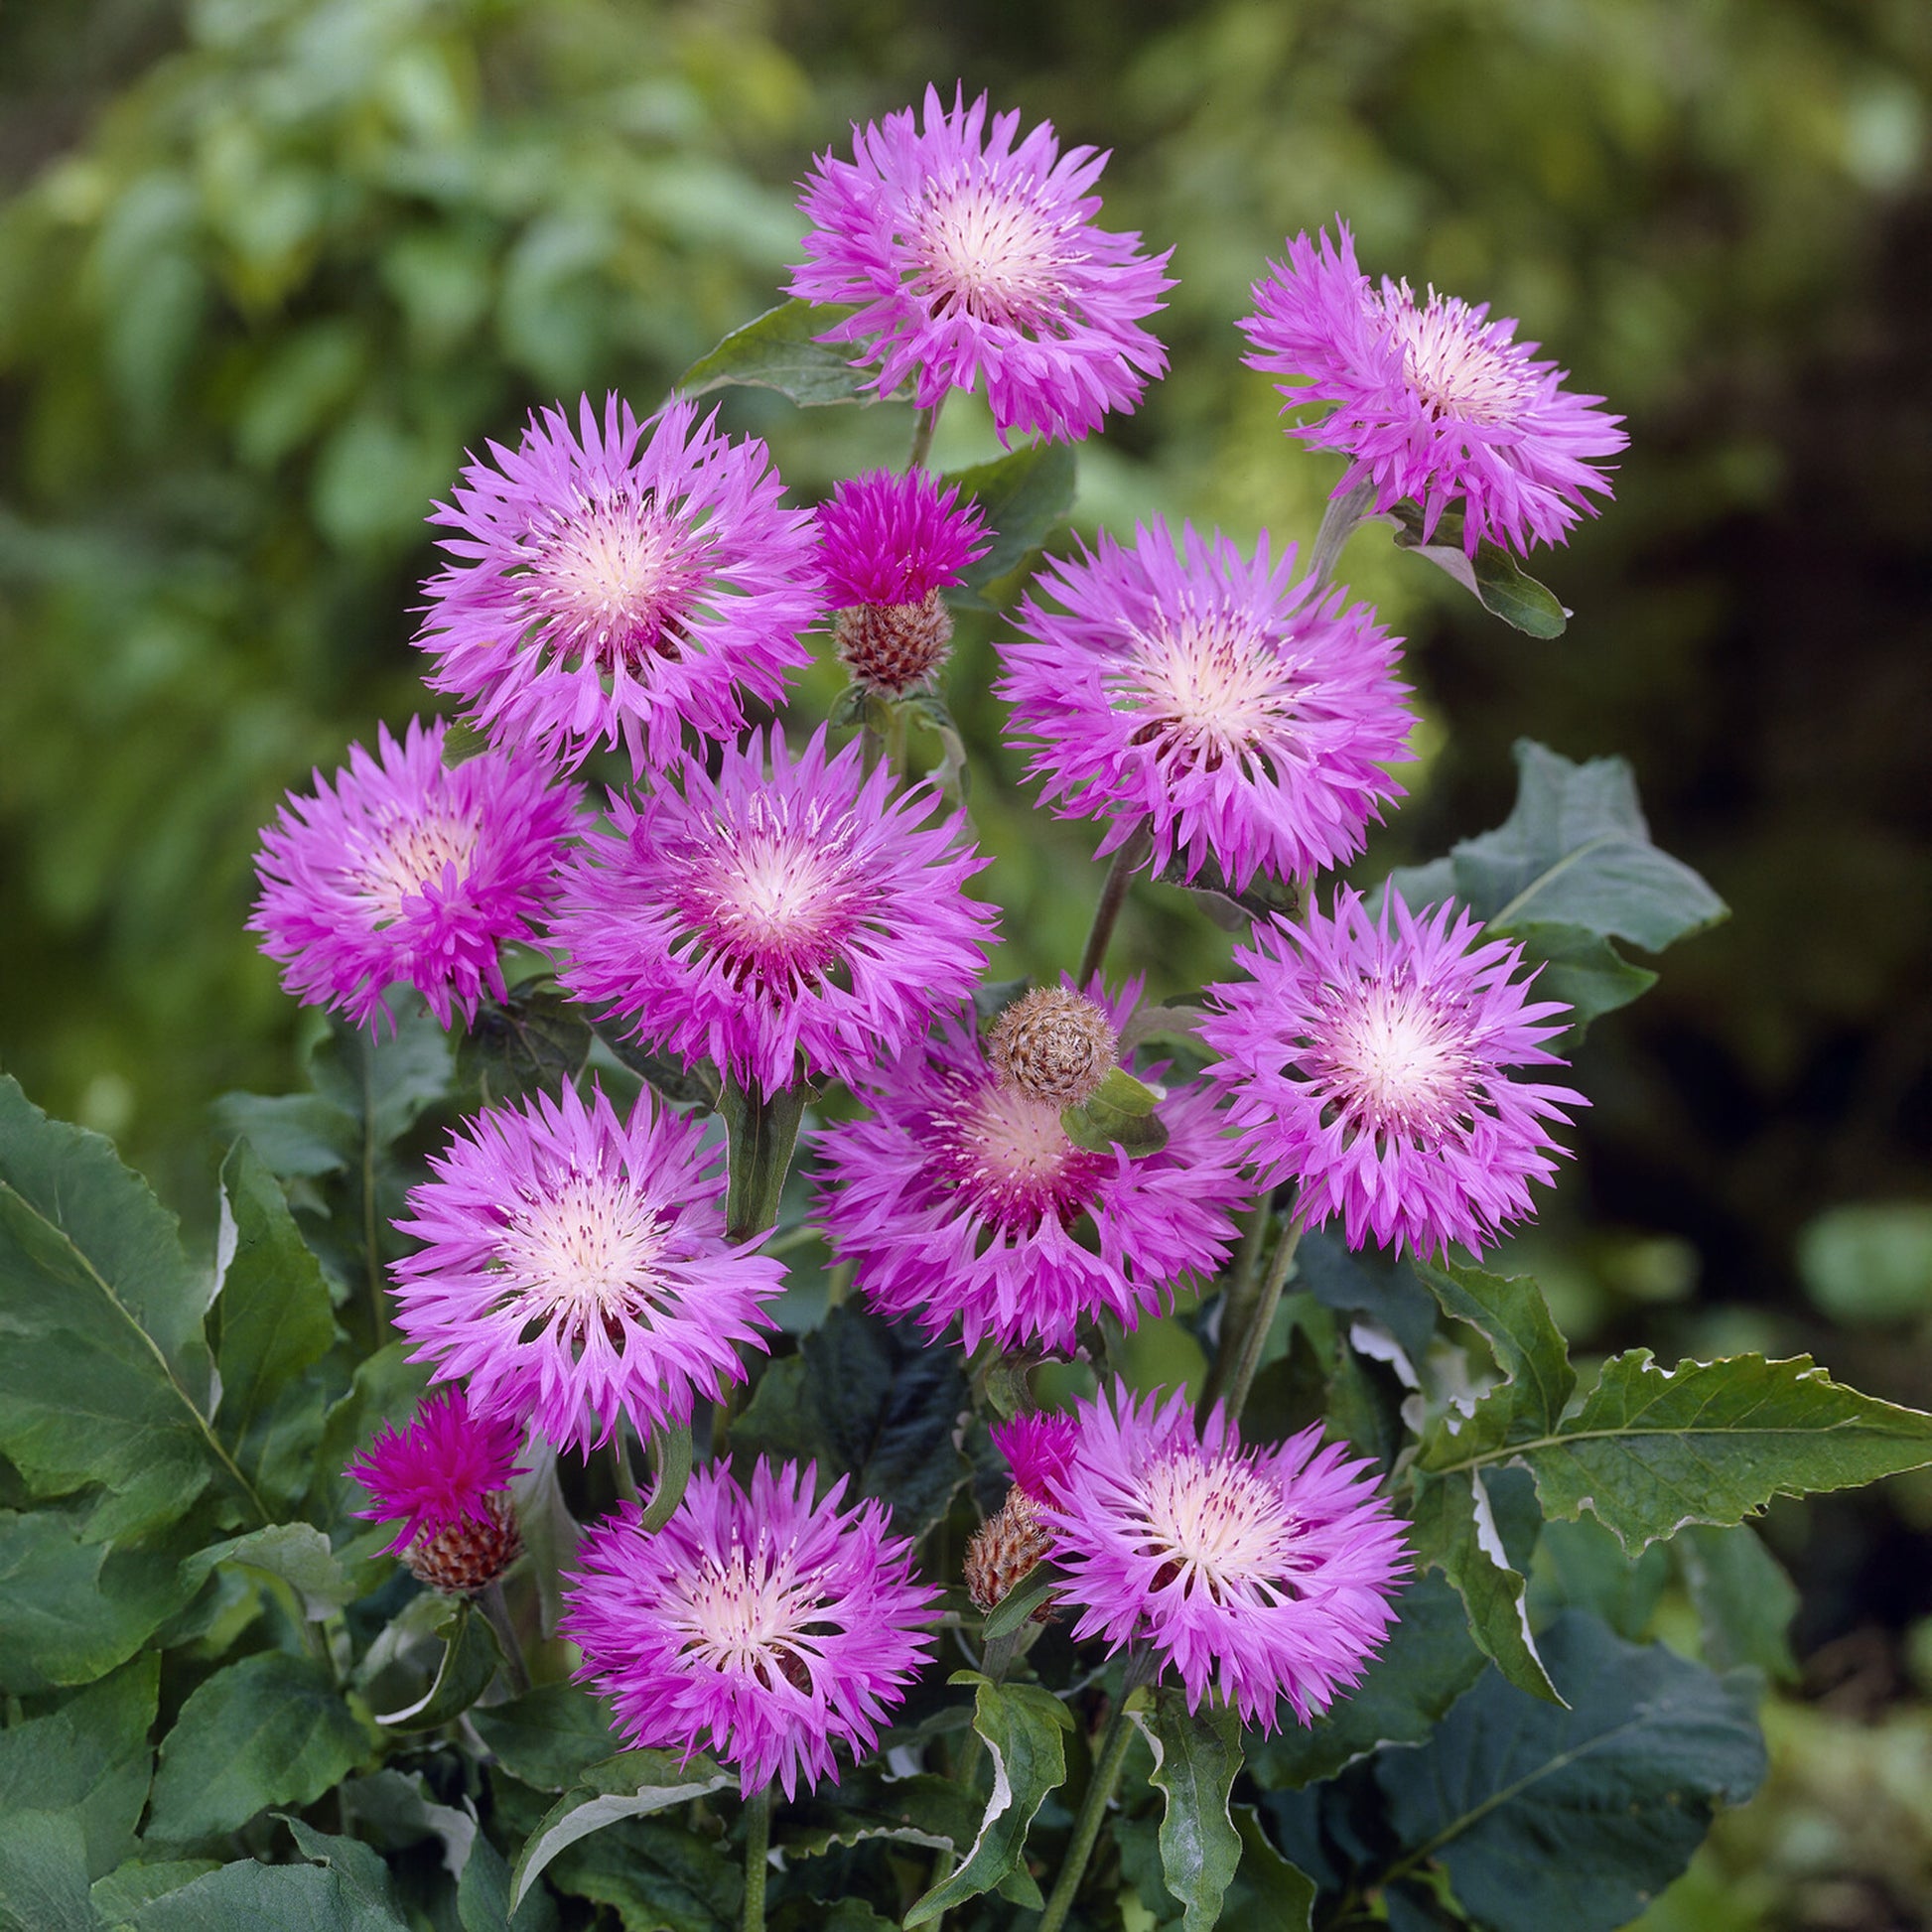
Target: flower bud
column 467, row 1555
column 1053, row 1045
column 894, row 647
column 1003, row 1553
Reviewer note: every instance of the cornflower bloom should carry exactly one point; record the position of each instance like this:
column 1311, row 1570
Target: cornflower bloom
column 1431, row 400
column 1006, row 1548
column 1256, row 1572
column 1366, row 1059
column 1240, row 715
column 611, row 585
column 972, row 256
column 405, row 870
column 768, row 1627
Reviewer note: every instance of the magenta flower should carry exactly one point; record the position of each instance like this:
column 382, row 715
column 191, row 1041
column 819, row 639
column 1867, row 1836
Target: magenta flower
column 969, row 256
column 776, row 911
column 1238, row 714
column 769, row 1628
column 1258, row 1574
column 1434, row 402
column 1039, row 1449
column 892, row 538
column 1366, row 1060
column 602, row 591
column 962, row 1198
column 405, row 870
column 440, row 1472
column 575, row 1269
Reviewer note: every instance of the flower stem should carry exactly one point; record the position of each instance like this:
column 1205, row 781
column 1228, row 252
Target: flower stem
column 923, row 424
column 762, row 1132
column 1338, row 523
column 758, row 1843
column 491, row 1600
column 621, row 1462
column 1253, row 1333
column 670, row 1448
column 1237, row 1302
column 1100, row 1792
column 1113, row 896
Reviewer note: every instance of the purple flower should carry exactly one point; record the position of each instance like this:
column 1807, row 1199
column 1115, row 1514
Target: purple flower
column 1039, row 1449
column 767, row 913
column 1257, row 1573
column 575, row 1268
column 1434, row 402
column 404, row 870
column 970, row 256
column 962, row 1198
column 440, row 1472
column 892, row 538
column 1366, row 1060
column 1237, row 712
column 767, row 1627
column 600, row 591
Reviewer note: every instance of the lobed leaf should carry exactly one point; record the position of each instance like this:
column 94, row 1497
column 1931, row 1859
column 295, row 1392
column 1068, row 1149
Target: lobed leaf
column 780, row 350
column 1196, row 1758
column 865, row 1805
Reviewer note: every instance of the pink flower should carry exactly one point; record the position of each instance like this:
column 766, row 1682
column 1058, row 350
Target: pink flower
column 962, row 1198
column 774, row 913
column 1039, row 1449
column 1434, row 402
column 892, row 538
column 1257, row 1573
column 441, row 1471
column 769, row 1628
column 575, row 1268
column 1366, row 1060
column 970, row 256
column 1239, row 714
column 602, row 591
column 405, row 870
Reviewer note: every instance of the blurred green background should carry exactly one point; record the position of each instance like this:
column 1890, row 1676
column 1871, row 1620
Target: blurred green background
column 268, row 266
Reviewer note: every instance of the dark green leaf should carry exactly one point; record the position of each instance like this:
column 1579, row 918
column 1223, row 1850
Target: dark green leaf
column 693, row 1084
column 1022, row 1728
column 1578, row 1816
column 1232, row 907
column 471, row 1658
column 778, row 351
column 550, row 1530
column 1120, row 1114
column 483, row 1895
column 301, row 1136
column 1514, row 1319
column 862, row 1805
column 364, row 1877
column 1745, row 1600
column 90, row 1757
column 1196, row 1756
column 1582, row 1567
column 1268, row 1893
column 1367, row 1283
column 249, row 1897
column 385, row 1389
column 44, row 1874
column 383, row 1080
column 125, row 1890
column 548, row 1736
column 297, row 1554
column 1427, row 1662
column 535, row 1040
column 1492, row 576
column 271, row 1729
column 1017, row 1606
column 1024, row 495
column 394, row 1810
column 656, row 1875
column 841, row 1915
column 273, row 1323
column 1581, row 969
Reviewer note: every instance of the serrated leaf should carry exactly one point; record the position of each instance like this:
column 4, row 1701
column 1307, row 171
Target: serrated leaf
column 1024, row 1731
column 44, row 1874
column 247, row 1897
column 1743, row 1600
column 626, row 1785
column 1024, row 495
column 550, row 1737
column 1511, row 1314
column 863, row 1805
column 1492, row 576
column 271, row 1729
column 1196, row 1757
column 296, row 1552
column 1427, row 1662
column 1577, row 1816
column 471, row 1657
column 780, row 350
column 272, row 1324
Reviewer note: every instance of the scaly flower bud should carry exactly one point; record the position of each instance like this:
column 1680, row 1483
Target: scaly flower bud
column 1053, row 1044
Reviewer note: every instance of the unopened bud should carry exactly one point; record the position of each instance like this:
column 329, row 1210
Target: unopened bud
column 1004, row 1551
column 894, row 646
column 1054, row 1045
column 467, row 1555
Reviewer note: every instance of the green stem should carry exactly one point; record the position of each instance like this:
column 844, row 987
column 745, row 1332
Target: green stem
column 1100, row 1792
column 758, row 1843
column 1339, row 523
column 923, row 424
column 995, row 1661
column 378, row 1300
column 670, row 1453
column 762, row 1134
column 1254, row 1336
column 1113, row 896
column 1237, row 1302
column 491, row 1600
column 621, row 1462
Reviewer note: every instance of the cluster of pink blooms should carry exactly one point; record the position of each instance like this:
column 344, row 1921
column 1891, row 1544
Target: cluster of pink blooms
column 799, row 914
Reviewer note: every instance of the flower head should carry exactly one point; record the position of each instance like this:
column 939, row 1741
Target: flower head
column 777, row 909
column 1053, row 1043
column 960, row 1196
column 971, row 256
column 404, row 868
column 768, row 1628
column 1431, row 400
column 1239, row 714
column 575, row 1269
column 602, row 591
column 1366, row 1059
column 1039, row 1447
column 1258, row 1574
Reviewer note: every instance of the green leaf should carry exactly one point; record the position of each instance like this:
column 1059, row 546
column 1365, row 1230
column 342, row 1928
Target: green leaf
column 1017, row 1606
column 247, row 1897
column 1367, row 1283
column 684, row 1084
column 858, row 1398
column 104, row 1377
column 1576, row 1817
column 89, row 1758
column 550, row 1530
column 1196, row 1757
column 1743, row 1600
column 1492, row 576
column 44, row 1874
column 656, row 1875
column 121, row 1894
column 1581, row 969
column 1025, row 495
column 273, row 1323
column 1514, row 1319
column 297, row 1554
column 385, row 1389
column 271, row 1729
column 548, row 1736
column 1232, row 907
column 626, row 1785
column 301, row 1136
column 839, row 1915
column 865, row 1805
column 535, row 1040
column 1427, row 1662
column 364, row 1877
column 1023, row 1727
column 780, row 350
column 1581, row 1565
column 1268, row 1893
column 471, row 1656
column 483, row 1895
column 1120, row 1113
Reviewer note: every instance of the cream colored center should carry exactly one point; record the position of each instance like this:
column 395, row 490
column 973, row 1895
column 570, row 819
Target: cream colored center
column 1450, row 365
column 1209, row 688
column 589, row 1249
column 990, row 254
column 1395, row 1062
column 1214, row 1518
column 746, row 1616
column 411, row 854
